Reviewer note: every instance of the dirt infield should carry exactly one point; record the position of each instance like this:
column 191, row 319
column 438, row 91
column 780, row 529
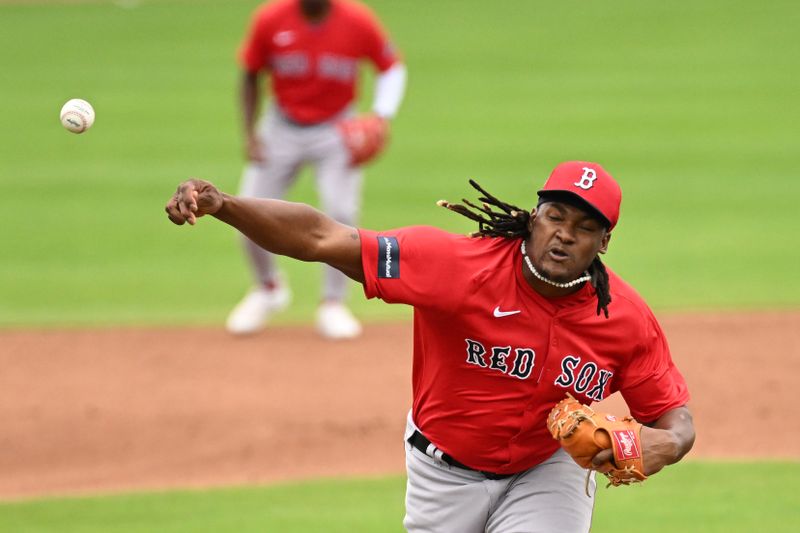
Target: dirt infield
column 110, row 410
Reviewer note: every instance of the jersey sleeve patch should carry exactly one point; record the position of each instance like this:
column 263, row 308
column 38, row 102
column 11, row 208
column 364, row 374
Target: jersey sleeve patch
column 388, row 257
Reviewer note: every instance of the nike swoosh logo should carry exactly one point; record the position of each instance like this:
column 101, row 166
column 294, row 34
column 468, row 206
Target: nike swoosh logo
column 498, row 313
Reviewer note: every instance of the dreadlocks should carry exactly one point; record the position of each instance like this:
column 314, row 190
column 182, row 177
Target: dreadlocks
column 511, row 222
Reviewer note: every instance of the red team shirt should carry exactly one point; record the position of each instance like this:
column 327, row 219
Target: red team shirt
column 314, row 67
column 492, row 356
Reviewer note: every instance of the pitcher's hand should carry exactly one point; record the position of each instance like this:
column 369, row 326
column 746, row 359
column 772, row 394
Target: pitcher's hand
column 193, row 199
column 658, row 448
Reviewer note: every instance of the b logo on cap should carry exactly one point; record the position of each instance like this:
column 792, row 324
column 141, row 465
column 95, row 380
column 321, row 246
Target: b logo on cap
column 587, row 180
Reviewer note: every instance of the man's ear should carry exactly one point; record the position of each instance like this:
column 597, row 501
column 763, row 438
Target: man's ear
column 604, row 243
column 530, row 220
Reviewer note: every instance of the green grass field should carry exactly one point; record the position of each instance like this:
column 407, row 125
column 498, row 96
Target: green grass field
column 744, row 499
column 691, row 105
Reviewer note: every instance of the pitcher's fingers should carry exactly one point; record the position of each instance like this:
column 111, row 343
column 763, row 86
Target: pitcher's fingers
column 173, row 213
column 187, row 193
column 184, row 206
column 603, row 458
column 604, row 468
column 176, row 219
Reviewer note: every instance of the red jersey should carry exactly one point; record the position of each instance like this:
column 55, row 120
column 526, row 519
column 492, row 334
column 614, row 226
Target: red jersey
column 314, row 66
column 492, row 356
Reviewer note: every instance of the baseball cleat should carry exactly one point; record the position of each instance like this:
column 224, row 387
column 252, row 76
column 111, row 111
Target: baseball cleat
column 335, row 321
column 255, row 309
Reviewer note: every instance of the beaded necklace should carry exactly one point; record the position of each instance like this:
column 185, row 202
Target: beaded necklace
column 567, row 285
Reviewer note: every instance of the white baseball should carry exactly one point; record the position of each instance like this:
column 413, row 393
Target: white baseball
column 77, row 115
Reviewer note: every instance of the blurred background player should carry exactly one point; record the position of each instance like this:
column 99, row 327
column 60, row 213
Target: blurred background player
column 311, row 49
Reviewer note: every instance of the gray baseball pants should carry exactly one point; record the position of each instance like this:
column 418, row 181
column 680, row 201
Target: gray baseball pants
column 547, row 498
column 289, row 146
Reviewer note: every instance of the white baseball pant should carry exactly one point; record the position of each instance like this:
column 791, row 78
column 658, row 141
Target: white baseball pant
column 289, row 146
column 547, row 498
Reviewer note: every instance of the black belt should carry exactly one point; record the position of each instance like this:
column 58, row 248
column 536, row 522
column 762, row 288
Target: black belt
column 297, row 124
column 420, row 442
column 282, row 115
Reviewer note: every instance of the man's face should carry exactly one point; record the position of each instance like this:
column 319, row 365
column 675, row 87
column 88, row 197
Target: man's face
column 564, row 240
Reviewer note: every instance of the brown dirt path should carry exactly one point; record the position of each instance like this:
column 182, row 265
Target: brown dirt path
column 93, row 411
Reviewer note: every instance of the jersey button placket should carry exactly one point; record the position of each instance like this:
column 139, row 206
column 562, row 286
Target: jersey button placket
column 552, row 344
column 553, row 334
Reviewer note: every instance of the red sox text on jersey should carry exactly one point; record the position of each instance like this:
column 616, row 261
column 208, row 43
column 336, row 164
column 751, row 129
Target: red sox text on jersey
column 519, row 362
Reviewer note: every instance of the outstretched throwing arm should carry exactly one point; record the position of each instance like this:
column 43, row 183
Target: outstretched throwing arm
column 285, row 228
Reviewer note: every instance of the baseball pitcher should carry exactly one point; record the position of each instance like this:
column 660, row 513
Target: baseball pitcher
column 518, row 329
